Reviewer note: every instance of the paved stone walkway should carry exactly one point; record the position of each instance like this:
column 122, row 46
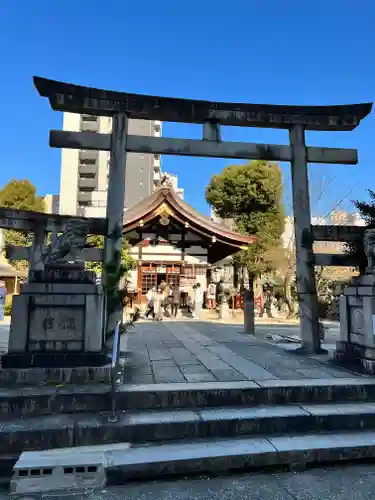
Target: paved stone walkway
column 189, row 351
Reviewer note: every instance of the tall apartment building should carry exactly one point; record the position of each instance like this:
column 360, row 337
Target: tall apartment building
column 84, row 174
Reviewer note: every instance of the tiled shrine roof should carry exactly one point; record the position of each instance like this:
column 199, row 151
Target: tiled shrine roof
column 165, row 202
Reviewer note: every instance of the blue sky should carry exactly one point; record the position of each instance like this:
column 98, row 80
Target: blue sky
column 260, row 51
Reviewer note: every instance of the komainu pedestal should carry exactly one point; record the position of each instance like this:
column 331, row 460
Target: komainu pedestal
column 356, row 348
column 56, row 328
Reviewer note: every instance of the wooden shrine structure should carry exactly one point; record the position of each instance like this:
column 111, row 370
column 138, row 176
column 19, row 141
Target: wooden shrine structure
column 163, row 216
column 166, row 217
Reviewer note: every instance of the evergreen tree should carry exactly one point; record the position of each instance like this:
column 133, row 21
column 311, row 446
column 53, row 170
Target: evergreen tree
column 127, row 261
column 20, row 195
column 251, row 195
column 356, row 247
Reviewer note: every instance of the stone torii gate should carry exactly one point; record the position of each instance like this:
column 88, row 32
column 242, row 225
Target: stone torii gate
column 121, row 106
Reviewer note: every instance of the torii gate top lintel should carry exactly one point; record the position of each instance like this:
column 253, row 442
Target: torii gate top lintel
column 79, row 99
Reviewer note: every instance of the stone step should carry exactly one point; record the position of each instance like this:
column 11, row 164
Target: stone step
column 125, row 463
column 29, row 402
column 251, row 393
column 83, row 430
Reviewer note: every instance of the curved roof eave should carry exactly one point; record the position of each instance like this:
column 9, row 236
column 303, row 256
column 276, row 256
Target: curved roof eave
column 167, row 195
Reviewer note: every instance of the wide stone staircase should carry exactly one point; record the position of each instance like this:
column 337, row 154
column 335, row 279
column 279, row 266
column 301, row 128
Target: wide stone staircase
column 67, row 441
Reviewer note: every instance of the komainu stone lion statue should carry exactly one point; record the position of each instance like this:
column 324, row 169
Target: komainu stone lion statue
column 69, row 245
column 370, row 249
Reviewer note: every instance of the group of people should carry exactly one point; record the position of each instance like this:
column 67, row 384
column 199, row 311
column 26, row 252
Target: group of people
column 165, row 300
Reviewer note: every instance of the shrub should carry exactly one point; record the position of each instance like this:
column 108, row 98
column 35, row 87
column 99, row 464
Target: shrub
column 8, row 305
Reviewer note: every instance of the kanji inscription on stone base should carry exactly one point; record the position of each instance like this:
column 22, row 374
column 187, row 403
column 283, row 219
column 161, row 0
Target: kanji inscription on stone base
column 56, row 325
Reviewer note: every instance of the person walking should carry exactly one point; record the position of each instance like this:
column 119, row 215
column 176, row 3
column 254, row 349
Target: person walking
column 198, row 301
column 150, row 302
column 190, row 299
column 175, row 299
column 167, row 299
column 3, row 294
column 267, row 305
column 158, row 305
column 211, row 294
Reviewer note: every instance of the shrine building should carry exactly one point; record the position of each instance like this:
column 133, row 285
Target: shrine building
column 172, row 242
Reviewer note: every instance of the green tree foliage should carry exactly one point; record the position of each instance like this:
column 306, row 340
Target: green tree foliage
column 251, row 195
column 127, row 261
column 356, row 247
column 20, row 195
column 115, row 285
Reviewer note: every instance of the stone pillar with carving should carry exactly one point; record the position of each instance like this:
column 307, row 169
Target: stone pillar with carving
column 356, row 347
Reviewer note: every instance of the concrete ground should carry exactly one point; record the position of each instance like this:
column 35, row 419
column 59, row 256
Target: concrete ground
column 186, row 350
column 200, row 351
column 336, row 483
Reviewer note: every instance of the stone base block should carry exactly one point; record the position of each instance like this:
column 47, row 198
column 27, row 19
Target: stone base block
column 354, row 357
column 11, row 377
column 53, row 360
column 224, row 311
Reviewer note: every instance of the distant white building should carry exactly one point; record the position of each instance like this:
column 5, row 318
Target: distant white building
column 358, row 220
column 335, row 218
column 51, row 203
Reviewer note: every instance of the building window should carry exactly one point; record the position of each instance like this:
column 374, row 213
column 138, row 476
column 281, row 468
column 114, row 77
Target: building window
column 84, row 204
column 87, row 175
column 200, row 271
column 89, row 118
column 149, row 279
column 189, row 272
column 173, row 278
column 99, row 203
column 87, row 161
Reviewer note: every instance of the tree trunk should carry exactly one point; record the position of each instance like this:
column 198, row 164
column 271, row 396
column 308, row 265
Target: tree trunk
column 249, row 323
column 289, row 297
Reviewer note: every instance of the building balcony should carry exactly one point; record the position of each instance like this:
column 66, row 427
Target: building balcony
column 157, row 162
column 157, row 176
column 88, row 156
column 82, row 211
column 87, row 169
column 157, row 128
column 89, row 118
column 89, row 126
column 84, row 197
column 87, row 183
